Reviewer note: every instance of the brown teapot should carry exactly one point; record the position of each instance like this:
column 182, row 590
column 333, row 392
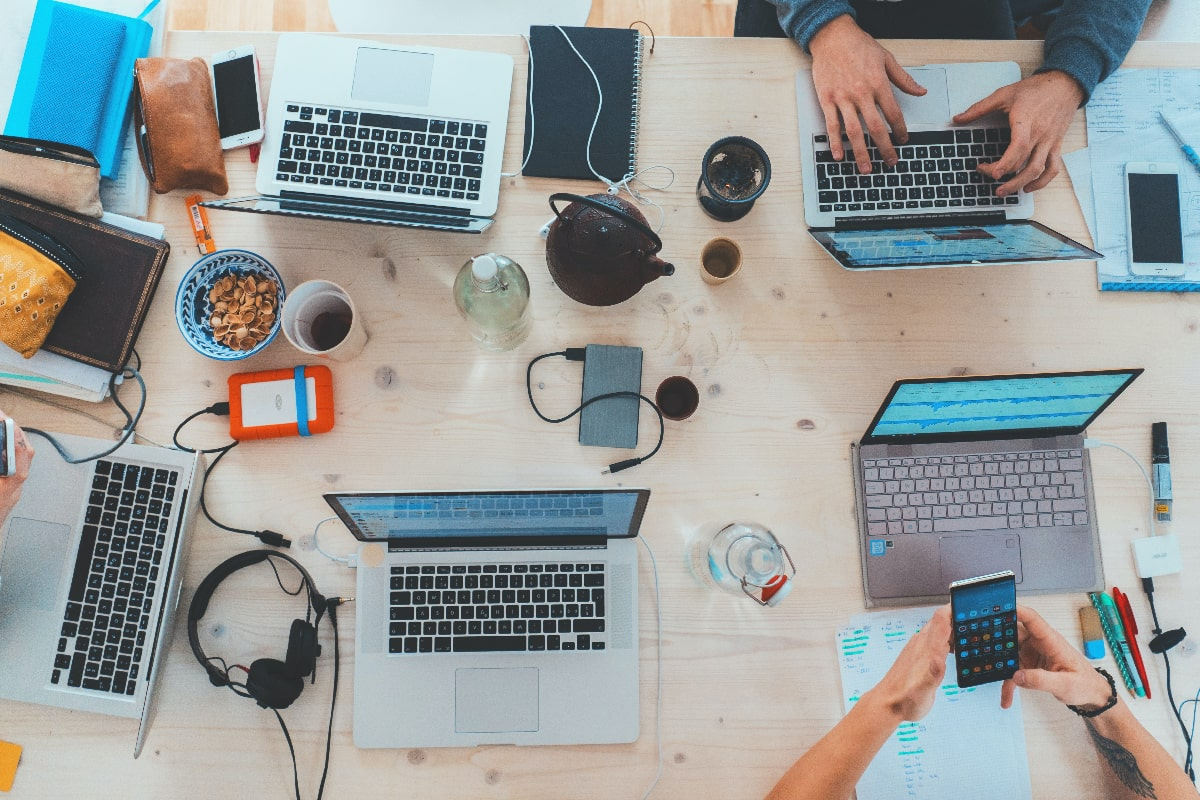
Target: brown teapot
column 600, row 250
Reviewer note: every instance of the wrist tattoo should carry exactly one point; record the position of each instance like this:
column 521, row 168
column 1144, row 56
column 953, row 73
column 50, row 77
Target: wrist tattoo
column 1122, row 763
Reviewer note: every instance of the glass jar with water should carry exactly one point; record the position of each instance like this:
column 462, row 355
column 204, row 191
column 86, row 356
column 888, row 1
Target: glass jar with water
column 744, row 558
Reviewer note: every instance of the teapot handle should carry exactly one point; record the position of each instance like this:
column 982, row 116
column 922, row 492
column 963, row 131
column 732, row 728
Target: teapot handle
column 616, row 212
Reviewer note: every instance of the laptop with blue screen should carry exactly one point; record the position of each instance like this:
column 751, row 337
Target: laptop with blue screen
column 964, row 476
column 503, row 617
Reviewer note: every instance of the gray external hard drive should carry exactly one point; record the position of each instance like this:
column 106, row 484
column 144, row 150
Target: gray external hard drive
column 612, row 422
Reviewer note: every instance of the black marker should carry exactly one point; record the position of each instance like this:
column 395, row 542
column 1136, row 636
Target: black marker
column 1160, row 463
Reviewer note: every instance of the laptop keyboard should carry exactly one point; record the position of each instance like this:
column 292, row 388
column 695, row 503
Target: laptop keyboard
column 936, row 170
column 479, row 608
column 386, row 153
column 994, row 491
column 116, row 577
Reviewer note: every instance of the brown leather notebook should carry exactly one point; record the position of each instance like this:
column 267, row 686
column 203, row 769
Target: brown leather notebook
column 121, row 269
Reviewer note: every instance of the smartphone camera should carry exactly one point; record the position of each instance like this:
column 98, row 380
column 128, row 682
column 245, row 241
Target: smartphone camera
column 984, row 632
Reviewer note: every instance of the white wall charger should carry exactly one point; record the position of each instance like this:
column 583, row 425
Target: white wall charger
column 1157, row 555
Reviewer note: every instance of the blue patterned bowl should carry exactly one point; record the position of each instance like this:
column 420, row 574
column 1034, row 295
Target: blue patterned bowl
column 193, row 310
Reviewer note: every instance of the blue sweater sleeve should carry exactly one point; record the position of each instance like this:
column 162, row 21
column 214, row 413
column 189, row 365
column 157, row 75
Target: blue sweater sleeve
column 1089, row 38
column 801, row 19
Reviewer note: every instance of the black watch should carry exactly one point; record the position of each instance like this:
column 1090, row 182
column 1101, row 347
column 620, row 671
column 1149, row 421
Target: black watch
column 1112, row 698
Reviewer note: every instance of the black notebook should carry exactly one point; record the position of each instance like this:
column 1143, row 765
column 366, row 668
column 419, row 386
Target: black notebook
column 562, row 100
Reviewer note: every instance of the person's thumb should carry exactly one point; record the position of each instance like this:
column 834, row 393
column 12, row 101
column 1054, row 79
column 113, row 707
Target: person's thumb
column 1054, row 683
column 900, row 77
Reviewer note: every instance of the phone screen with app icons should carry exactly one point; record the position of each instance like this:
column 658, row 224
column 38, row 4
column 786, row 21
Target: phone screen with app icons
column 984, row 632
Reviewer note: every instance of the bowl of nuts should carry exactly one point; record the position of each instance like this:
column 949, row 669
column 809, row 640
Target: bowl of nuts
column 227, row 305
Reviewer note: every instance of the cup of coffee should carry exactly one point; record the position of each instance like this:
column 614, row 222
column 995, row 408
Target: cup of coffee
column 677, row 398
column 319, row 319
column 720, row 260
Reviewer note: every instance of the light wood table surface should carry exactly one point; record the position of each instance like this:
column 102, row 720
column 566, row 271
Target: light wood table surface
column 792, row 358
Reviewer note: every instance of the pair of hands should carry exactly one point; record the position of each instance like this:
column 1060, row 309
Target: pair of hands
column 853, row 75
column 10, row 487
column 1048, row 664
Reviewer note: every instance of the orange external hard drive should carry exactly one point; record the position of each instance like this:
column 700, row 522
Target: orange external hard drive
column 280, row 402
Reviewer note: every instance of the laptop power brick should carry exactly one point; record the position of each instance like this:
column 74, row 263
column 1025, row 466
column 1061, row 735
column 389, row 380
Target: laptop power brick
column 280, row 402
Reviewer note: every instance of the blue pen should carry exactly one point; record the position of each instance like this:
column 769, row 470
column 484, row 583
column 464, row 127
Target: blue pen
column 1120, row 644
column 1188, row 152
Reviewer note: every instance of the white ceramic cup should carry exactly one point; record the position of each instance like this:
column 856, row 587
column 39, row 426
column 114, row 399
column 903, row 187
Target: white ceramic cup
column 319, row 319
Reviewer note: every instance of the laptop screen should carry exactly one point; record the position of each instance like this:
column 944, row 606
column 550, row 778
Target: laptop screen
column 949, row 244
column 491, row 516
column 954, row 409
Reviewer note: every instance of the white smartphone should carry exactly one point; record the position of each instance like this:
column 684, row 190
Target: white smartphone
column 8, row 449
column 1153, row 223
column 239, row 97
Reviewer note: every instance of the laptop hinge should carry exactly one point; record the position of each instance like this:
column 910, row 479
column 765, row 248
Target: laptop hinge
column 388, row 205
column 916, row 220
column 497, row 543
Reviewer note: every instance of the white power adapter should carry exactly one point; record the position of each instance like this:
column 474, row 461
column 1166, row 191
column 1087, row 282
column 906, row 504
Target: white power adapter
column 1157, row 555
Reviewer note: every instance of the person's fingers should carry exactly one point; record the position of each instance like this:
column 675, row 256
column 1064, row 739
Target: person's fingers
column 1034, row 167
column 854, row 132
column 833, row 128
column 900, row 77
column 993, row 102
column 1007, row 690
column 1057, row 684
column 880, row 137
column 1053, row 167
column 1015, row 155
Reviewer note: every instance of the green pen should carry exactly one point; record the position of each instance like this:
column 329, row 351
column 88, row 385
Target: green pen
column 1120, row 644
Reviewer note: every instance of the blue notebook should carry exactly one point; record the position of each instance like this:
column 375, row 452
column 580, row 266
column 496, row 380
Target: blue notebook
column 76, row 78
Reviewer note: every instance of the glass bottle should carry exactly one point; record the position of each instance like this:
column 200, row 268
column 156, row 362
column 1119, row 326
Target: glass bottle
column 492, row 294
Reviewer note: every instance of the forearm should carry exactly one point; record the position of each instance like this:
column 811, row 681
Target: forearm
column 1089, row 38
column 831, row 768
column 801, row 19
column 1135, row 764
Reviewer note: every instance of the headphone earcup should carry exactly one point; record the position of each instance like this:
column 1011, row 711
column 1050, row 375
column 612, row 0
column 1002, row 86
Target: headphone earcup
column 273, row 684
column 303, row 649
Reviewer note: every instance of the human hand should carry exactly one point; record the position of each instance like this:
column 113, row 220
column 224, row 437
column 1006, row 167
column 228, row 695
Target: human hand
column 908, row 689
column 853, row 75
column 10, row 487
column 1040, row 109
column 1050, row 664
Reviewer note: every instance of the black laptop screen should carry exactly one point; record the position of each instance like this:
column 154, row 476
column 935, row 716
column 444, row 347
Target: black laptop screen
column 964, row 407
column 947, row 244
column 491, row 515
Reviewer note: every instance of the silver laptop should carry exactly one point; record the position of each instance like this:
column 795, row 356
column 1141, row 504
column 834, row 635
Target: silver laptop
column 90, row 574
column 957, row 477
column 394, row 135
column 933, row 208
column 495, row 617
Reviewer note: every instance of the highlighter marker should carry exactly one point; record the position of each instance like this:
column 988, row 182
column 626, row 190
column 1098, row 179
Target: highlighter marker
column 1160, row 463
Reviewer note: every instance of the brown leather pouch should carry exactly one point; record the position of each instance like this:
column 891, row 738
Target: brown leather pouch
column 176, row 123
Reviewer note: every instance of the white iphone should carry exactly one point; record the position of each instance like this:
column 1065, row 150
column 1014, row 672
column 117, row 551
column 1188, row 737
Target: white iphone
column 1153, row 223
column 239, row 97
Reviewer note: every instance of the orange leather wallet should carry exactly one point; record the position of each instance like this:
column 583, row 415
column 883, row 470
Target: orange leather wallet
column 176, row 125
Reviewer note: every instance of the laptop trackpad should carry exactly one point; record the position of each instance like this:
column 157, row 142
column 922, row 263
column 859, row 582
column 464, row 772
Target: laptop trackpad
column 35, row 554
column 932, row 108
column 979, row 554
column 495, row 700
column 396, row 77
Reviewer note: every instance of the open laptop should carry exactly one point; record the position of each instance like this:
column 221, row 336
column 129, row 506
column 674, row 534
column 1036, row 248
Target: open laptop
column 495, row 617
column 965, row 476
column 389, row 134
column 90, row 575
column 933, row 208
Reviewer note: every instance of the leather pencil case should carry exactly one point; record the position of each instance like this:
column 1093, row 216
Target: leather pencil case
column 37, row 275
column 176, row 123
column 59, row 174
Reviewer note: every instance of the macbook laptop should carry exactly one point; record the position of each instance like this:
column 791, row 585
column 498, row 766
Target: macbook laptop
column 958, row 477
column 389, row 134
column 495, row 617
column 933, row 208
column 90, row 575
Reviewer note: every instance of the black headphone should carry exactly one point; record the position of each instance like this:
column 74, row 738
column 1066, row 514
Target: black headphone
column 269, row 682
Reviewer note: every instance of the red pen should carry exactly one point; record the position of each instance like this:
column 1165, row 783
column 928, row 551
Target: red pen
column 1131, row 629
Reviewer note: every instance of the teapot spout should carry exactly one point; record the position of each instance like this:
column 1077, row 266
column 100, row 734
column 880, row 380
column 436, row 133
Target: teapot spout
column 657, row 268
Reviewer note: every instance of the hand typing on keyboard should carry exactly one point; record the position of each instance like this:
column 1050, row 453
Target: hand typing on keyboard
column 1040, row 109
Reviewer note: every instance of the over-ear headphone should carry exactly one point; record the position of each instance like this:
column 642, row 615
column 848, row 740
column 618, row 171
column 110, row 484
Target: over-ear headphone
column 269, row 682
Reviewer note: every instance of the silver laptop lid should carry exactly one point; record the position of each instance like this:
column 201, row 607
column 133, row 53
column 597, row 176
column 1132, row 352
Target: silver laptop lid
column 492, row 519
column 925, row 410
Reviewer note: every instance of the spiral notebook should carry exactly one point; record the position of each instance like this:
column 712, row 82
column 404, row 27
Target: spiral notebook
column 562, row 100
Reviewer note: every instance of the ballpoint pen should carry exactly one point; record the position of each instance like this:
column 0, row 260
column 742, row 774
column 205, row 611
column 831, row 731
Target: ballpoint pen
column 1188, row 152
column 1131, row 630
column 1120, row 644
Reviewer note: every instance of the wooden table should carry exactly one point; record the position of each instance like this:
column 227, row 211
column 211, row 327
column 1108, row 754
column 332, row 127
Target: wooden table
column 792, row 358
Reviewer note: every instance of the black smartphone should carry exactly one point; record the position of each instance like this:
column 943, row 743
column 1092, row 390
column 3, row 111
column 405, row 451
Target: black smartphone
column 984, row 612
column 8, row 454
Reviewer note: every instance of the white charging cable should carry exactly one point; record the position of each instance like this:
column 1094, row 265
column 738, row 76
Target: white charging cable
column 1091, row 444
column 657, row 669
column 344, row 560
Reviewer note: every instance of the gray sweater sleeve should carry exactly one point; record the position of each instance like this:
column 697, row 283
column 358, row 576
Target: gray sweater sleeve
column 1089, row 38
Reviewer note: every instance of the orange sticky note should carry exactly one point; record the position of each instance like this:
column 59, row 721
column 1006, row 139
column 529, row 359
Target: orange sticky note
column 10, row 756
